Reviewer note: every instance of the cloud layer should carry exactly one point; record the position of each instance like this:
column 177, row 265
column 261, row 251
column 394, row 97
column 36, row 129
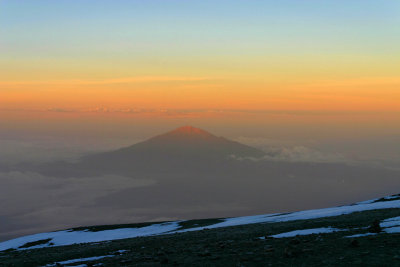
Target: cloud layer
column 29, row 201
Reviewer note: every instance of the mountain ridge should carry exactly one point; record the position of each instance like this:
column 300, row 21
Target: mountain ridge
column 183, row 147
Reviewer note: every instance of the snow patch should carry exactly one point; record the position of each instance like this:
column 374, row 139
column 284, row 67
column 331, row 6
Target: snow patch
column 393, row 197
column 392, row 230
column 79, row 260
column 322, row 230
column 68, row 237
column 390, row 226
column 360, row 235
column 300, row 215
column 395, row 221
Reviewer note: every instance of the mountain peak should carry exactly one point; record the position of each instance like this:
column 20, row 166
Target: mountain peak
column 186, row 134
column 189, row 130
column 184, row 147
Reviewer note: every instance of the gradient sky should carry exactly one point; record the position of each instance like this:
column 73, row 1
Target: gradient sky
column 285, row 55
column 297, row 69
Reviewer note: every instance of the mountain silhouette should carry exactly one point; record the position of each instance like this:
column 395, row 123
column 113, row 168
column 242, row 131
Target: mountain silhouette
column 184, row 147
column 194, row 176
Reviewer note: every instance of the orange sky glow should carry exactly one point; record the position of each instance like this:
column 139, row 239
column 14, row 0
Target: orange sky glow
column 321, row 63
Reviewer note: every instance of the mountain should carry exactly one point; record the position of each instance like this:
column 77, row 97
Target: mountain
column 361, row 234
column 188, row 174
column 183, row 148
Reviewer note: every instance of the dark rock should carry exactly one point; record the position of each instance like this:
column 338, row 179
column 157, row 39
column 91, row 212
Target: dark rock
column 375, row 227
column 214, row 258
column 290, row 252
column 164, row 260
column 294, row 241
column 205, row 253
column 354, row 243
column 160, row 253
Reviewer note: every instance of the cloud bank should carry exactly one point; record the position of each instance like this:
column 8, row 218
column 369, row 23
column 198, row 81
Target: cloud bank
column 297, row 154
column 29, row 200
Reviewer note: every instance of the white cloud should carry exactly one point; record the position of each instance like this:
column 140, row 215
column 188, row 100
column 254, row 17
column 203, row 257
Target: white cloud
column 286, row 151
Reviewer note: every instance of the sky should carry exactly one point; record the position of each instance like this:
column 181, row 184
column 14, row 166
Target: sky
column 290, row 55
column 314, row 81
